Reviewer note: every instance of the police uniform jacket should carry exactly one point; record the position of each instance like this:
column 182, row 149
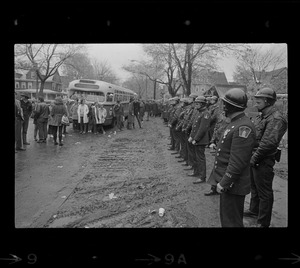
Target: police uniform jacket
column 192, row 120
column 232, row 162
column 214, row 113
column 182, row 116
column 199, row 131
column 270, row 127
column 188, row 117
column 175, row 117
column 171, row 112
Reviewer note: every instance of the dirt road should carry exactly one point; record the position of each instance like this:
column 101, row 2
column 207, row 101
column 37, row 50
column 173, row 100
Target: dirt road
column 119, row 180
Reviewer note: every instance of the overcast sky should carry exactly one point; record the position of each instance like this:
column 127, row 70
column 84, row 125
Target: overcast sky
column 122, row 54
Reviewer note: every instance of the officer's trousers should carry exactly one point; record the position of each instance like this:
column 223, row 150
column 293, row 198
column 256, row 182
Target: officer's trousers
column 262, row 196
column 177, row 139
column 200, row 161
column 182, row 151
column 172, row 138
column 231, row 210
column 191, row 154
column 185, row 136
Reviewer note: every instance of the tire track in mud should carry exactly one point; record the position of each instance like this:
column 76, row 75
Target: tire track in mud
column 127, row 180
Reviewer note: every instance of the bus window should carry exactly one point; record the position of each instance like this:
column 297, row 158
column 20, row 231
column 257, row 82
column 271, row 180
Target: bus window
column 109, row 97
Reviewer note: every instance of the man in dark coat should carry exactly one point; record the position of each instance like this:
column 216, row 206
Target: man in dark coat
column 42, row 113
column 18, row 125
column 27, row 110
column 118, row 113
column 136, row 111
column 231, row 168
column 270, row 127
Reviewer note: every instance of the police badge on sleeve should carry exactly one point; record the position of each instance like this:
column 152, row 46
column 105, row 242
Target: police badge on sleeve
column 244, row 132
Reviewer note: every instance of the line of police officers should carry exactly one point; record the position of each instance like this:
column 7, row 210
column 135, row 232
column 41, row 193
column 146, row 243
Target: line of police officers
column 245, row 151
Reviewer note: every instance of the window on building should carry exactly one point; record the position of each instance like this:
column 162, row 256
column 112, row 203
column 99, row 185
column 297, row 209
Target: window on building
column 17, row 85
column 29, row 85
column 23, row 85
column 32, row 74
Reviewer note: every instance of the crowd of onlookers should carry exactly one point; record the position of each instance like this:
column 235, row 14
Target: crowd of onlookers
column 51, row 119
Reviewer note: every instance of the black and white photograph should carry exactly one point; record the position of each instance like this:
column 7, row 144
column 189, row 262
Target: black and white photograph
column 151, row 135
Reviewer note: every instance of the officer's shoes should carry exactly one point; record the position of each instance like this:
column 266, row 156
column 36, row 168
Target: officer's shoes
column 190, row 168
column 175, row 153
column 249, row 213
column 193, row 175
column 178, row 156
column 211, row 192
column 261, row 226
column 199, row 181
column 180, row 161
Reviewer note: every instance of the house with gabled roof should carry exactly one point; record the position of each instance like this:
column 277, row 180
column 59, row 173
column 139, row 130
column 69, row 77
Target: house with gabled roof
column 206, row 79
column 27, row 79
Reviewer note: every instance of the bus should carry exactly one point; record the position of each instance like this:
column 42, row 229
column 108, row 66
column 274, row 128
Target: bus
column 102, row 92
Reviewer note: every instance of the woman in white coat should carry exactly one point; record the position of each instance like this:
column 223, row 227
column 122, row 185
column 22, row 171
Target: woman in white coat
column 102, row 113
column 82, row 112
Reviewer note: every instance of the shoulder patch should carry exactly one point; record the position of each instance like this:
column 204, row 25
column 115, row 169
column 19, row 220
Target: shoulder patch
column 244, row 131
column 206, row 115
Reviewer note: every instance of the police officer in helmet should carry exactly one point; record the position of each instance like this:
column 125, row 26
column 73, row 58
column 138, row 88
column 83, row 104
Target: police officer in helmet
column 270, row 127
column 231, row 171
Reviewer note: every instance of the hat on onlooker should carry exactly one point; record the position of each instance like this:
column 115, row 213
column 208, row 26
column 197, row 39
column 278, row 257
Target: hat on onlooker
column 58, row 100
column 26, row 95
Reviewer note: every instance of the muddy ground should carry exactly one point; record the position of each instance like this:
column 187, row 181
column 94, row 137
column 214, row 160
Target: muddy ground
column 119, row 180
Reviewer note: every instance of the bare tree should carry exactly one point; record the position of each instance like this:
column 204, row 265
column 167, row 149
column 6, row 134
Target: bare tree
column 44, row 58
column 78, row 66
column 191, row 58
column 104, row 72
column 257, row 67
column 169, row 69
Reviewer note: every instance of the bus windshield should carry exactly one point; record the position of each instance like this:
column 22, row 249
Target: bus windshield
column 109, row 96
column 90, row 96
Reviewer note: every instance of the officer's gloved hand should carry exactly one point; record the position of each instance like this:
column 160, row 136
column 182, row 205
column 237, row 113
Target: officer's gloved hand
column 194, row 142
column 212, row 146
column 252, row 163
column 190, row 139
column 220, row 188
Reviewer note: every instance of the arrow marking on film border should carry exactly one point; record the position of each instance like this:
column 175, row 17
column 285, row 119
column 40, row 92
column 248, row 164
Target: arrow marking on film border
column 155, row 259
column 15, row 259
column 296, row 259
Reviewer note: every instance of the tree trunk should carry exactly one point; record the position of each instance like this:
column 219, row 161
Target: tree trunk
column 154, row 90
column 42, row 88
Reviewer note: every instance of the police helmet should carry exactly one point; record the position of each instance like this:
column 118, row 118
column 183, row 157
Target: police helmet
column 236, row 97
column 193, row 95
column 266, row 92
column 200, row 99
